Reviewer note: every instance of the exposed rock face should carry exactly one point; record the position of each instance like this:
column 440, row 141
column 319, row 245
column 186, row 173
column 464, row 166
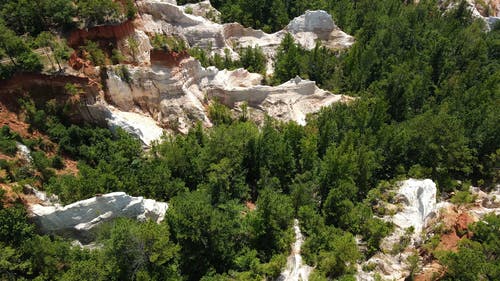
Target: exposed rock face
column 24, row 152
column 174, row 90
column 295, row 270
column 318, row 25
column 487, row 10
column 290, row 101
column 136, row 48
column 136, row 124
column 421, row 212
column 202, row 9
column 104, row 32
column 177, row 96
column 420, row 197
column 419, row 203
column 81, row 217
column 167, row 18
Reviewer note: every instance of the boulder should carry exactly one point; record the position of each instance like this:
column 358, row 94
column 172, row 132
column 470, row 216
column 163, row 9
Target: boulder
column 79, row 219
column 420, row 196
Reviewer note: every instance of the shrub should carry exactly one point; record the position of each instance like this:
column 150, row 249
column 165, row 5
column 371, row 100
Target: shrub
column 8, row 147
column 463, row 197
column 57, row 162
column 219, row 113
column 94, row 53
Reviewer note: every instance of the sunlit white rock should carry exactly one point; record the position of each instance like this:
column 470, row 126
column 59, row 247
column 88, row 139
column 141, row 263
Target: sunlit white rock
column 139, row 125
column 295, row 270
column 83, row 216
column 24, row 152
column 419, row 200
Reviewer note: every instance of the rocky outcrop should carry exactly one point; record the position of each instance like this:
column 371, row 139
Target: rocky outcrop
column 486, row 10
column 104, row 32
column 202, row 9
column 165, row 17
column 172, row 90
column 24, row 153
column 136, row 48
column 79, row 219
column 418, row 209
column 418, row 201
column 176, row 97
column 318, row 25
column 138, row 125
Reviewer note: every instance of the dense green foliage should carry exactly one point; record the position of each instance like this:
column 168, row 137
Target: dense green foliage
column 251, row 58
column 428, row 105
column 477, row 258
column 130, row 251
column 34, row 17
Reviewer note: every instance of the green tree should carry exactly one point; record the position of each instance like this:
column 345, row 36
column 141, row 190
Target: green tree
column 95, row 12
column 288, row 63
column 141, row 250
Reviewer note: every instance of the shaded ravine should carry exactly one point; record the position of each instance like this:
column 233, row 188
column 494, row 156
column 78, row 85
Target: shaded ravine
column 295, row 270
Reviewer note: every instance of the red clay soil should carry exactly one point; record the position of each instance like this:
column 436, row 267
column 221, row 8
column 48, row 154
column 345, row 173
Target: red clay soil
column 168, row 59
column 111, row 33
column 12, row 120
column 462, row 223
column 11, row 197
column 449, row 242
column 78, row 63
column 70, row 167
column 456, row 225
column 41, row 88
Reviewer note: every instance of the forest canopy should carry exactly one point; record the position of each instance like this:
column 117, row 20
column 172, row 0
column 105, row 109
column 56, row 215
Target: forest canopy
column 427, row 105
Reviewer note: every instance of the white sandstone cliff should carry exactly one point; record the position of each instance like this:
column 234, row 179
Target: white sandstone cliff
column 177, row 96
column 419, row 211
column 419, row 200
column 81, row 217
column 173, row 91
column 165, row 17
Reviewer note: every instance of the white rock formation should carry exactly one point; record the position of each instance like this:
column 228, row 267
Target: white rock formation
column 202, row 9
column 136, row 124
column 46, row 200
column 166, row 17
column 318, row 25
column 485, row 203
column 290, row 101
column 419, row 204
column 24, row 152
column 174, row 92
column 176, row 96
column 136, row 48
column 295, row 270
column 486, row 10
column 419, row 198
column 81, row 217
